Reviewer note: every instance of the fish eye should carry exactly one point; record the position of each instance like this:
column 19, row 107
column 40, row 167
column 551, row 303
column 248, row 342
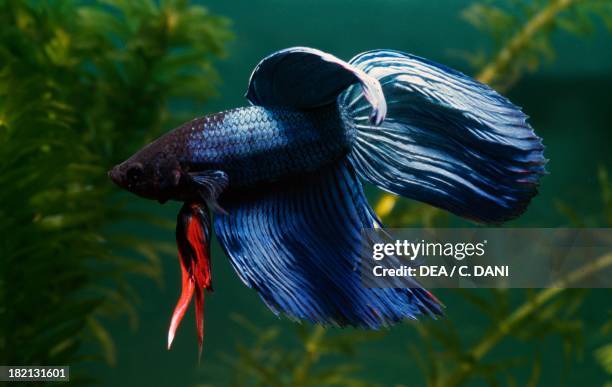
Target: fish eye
column 134, row 172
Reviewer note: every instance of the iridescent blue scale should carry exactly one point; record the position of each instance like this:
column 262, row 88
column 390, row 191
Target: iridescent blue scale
column 257, row 144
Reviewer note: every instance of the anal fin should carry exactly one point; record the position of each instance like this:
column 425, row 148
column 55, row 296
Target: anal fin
column 299, row 245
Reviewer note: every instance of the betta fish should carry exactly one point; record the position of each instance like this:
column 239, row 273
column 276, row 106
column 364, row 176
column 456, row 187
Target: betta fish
column 280, row 180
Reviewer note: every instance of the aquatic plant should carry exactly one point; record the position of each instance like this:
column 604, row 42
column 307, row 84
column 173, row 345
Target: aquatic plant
column 80, row 84
column 553, row 312
column 603, row 355
column 316, row 357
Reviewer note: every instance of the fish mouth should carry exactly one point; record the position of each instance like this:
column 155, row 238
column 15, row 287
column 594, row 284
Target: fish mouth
column 115, row 176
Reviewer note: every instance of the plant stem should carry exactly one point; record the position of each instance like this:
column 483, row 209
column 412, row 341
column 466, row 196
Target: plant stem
column 521, row 39
column 495, row 68
column 520, row 314
column 311, row 355
column 385, row 205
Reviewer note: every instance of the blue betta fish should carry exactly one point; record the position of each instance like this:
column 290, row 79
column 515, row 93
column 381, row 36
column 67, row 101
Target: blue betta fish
column 283, row 177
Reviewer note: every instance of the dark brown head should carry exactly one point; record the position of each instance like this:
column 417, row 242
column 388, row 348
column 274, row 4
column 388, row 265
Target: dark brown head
column 152, row 173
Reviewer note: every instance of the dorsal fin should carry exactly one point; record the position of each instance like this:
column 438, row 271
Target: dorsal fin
column 304, row 78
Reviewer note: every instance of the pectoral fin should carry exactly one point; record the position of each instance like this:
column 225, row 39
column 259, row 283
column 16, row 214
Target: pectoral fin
column 210, row 185
column 193, row 241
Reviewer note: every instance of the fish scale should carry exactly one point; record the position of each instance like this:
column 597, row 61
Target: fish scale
column 256, row 144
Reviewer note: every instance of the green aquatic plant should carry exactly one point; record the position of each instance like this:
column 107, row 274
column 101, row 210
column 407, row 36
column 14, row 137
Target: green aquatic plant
column 316, row 357
column 554, row 311
column 542, row 314
column 603, row 355
column 81, row 84
column 522, row 33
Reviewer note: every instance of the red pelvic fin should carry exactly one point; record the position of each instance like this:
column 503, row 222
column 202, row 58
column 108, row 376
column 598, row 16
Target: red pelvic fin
column 198, row 238
column 193, row 241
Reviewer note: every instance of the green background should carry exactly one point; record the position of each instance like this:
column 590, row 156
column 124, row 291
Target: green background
column 569, row 104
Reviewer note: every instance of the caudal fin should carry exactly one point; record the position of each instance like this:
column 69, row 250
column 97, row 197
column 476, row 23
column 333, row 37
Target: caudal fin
column 447, row 140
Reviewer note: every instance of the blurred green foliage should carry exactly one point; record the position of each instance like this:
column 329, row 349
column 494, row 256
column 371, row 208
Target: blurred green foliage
column 521, row 33
column 604, row 354
column 317, row 357
column 81, row 85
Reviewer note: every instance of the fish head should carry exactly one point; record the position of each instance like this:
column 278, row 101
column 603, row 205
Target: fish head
column 151, row 173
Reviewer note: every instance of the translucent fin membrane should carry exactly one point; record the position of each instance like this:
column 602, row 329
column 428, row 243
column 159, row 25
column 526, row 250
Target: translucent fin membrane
column 298, row 244
column 447, row 140
column 193, row 240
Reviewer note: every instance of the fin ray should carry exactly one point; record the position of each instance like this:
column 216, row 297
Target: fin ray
column 298, row 244
column 193, row 241
column 448, row 140
column 304, row 78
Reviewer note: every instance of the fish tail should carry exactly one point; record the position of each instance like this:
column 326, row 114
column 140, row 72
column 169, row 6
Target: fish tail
column 447, row 139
